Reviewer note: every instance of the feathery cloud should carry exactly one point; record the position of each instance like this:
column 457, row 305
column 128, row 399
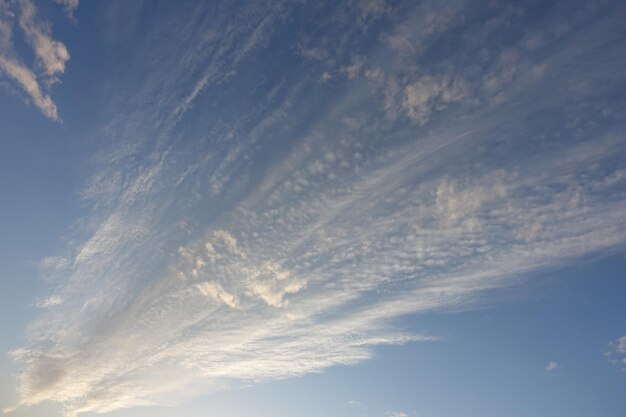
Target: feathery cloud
column 27, row 80
column 51, row 54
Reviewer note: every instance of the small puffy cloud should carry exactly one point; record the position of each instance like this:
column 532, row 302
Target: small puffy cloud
column 375, row 74
column 551, row 366
column 54, row 263
column 271, row 282
column 229, row 242
column 429, row 94
column 220, row 256
column 459, row 205
column 354, row 68
column 312, row 53
column 454, row 206
column 51, row 301
column 397, row 414
column 316, row 167
column 211, row 253
column 616, row 354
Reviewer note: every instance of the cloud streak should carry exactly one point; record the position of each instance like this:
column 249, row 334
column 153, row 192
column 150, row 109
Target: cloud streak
column 51, row 54
column 27, row 80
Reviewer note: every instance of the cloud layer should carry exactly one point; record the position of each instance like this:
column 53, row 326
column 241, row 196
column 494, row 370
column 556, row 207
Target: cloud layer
column 299, row 219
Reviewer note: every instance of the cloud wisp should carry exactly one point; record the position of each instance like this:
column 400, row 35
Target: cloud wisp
column 51, row 55
column 616, row 354
column 69, row 6
column 280, row 239
column 552, row 366
column 27, row 80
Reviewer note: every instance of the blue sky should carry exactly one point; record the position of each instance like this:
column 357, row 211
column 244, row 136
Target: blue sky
column 278, row 208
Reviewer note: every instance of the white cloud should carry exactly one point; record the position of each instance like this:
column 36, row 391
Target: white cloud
column 397, row 414
column 272, row 283
column 375, row 74
column 552, row 366
column 27, row 80
column 429, row 94
column 221, row 257
column 51, row 54
column 370, row 10
column 244, row 40
column 214, row 290
column 423, row 25
column 54, row 263
column 6, row 28
column 354, row 68
column 456, row 206
column 616, row 353
column 196, row 270
column 50, row 302
column 228, row 240
column 303, row 267
column 69, row 6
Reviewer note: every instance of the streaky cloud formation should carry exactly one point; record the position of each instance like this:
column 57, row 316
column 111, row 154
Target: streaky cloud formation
column 313, row 212
column 51, row 54
column 26, row 79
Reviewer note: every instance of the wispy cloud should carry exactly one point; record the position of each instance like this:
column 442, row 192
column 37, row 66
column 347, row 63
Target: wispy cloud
column 69, row 6
column 51, row 54
column 552, row 366
column 291, row 231
column 616, row 353
column 27, row 80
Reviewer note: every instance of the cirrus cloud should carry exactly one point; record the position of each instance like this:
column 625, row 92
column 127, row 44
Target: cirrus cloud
column 295, row 227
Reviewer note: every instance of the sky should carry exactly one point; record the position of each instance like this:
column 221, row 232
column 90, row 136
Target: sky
column 356, row 208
